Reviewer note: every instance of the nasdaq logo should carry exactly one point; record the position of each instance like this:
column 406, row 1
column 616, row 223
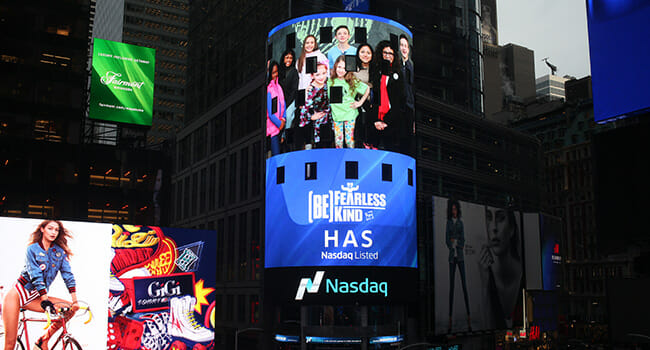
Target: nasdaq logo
column 337, row 286
column 307, row 285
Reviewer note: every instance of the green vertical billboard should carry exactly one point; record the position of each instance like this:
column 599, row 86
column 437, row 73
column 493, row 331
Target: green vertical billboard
column 121, row 87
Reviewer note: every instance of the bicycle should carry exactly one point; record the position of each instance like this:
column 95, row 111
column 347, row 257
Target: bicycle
column 64, row 340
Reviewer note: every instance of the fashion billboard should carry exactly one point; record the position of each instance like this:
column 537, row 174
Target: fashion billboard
column 340, row 208
column 34, row 265
column 160, row 283
column 618, row 47
column 122, row 83
column 340, row 80
column 478, row 266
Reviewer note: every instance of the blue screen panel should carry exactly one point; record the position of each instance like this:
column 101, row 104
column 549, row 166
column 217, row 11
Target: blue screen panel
column 619, row 47
column 318, row 216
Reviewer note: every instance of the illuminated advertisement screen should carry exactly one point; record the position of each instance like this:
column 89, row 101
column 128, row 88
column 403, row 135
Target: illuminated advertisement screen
column 618, row 47
column 551, row 229
column 22, row 258
column 340, row 285
column 340, row 80
column 122, row 83
column 478, row 266
column 340, row 227
column 160, row 282
column 332, row 207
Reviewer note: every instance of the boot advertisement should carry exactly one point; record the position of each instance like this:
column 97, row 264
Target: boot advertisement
column 162, row 292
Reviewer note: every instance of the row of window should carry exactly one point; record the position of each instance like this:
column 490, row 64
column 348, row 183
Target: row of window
column 238, row 308
column 153, row 38
column 179, row 5
column 170, row 77
column 158, row 13
column 157, row 26
column 213, row 136
column 224, row 182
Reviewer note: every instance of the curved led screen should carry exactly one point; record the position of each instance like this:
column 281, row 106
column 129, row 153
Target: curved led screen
column 340, row 80
column 350, row 207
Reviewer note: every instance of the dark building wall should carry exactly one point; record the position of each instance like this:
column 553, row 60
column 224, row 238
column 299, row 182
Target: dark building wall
column 568, row 190
column 578, row 89
column 493, row 76
column 43, row 66
column 46, row 169
column 164, row 27
column 227, row 47
column 519, row 65
column 509, row 81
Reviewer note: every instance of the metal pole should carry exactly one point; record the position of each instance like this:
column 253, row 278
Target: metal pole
column 523, row 291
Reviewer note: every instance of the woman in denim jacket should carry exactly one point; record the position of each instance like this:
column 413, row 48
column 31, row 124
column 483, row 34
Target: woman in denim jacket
column 47, row 255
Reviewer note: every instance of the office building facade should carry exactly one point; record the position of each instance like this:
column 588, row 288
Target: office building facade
column 550, row 87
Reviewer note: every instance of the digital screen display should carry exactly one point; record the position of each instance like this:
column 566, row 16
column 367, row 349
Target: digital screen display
column 89, row 244
column 386, row 339
column 551, row 229
column 122, row 83
column 618, row 47
column 340, row 208
column 376, row 75
column 478, row 266
column 151, row 276
column 158, row 275
column 340, row 285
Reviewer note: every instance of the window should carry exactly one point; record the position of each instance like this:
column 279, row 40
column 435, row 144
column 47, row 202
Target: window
column 242, row 246
column 311, row 171
column 195, row 193
column 203, row 190
column 243, row 174
column 279, row 174
column 233, row 178
column 221, row 197
column 386, row 172
column 212, row 188
column 352, row 170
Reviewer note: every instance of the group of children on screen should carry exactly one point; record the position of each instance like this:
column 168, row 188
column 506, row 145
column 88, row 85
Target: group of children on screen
column 364, row 104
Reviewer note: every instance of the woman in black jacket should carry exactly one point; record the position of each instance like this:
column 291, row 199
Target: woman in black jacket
column 288, row 80
column 389, row 99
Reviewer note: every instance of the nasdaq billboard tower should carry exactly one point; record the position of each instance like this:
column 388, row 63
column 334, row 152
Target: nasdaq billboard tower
column 340, row 222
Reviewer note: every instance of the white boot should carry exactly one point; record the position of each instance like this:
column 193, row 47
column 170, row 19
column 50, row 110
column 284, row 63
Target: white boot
column 182, row 323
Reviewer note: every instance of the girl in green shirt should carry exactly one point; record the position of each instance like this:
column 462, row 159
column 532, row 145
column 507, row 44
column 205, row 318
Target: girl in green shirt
column 345, row 113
